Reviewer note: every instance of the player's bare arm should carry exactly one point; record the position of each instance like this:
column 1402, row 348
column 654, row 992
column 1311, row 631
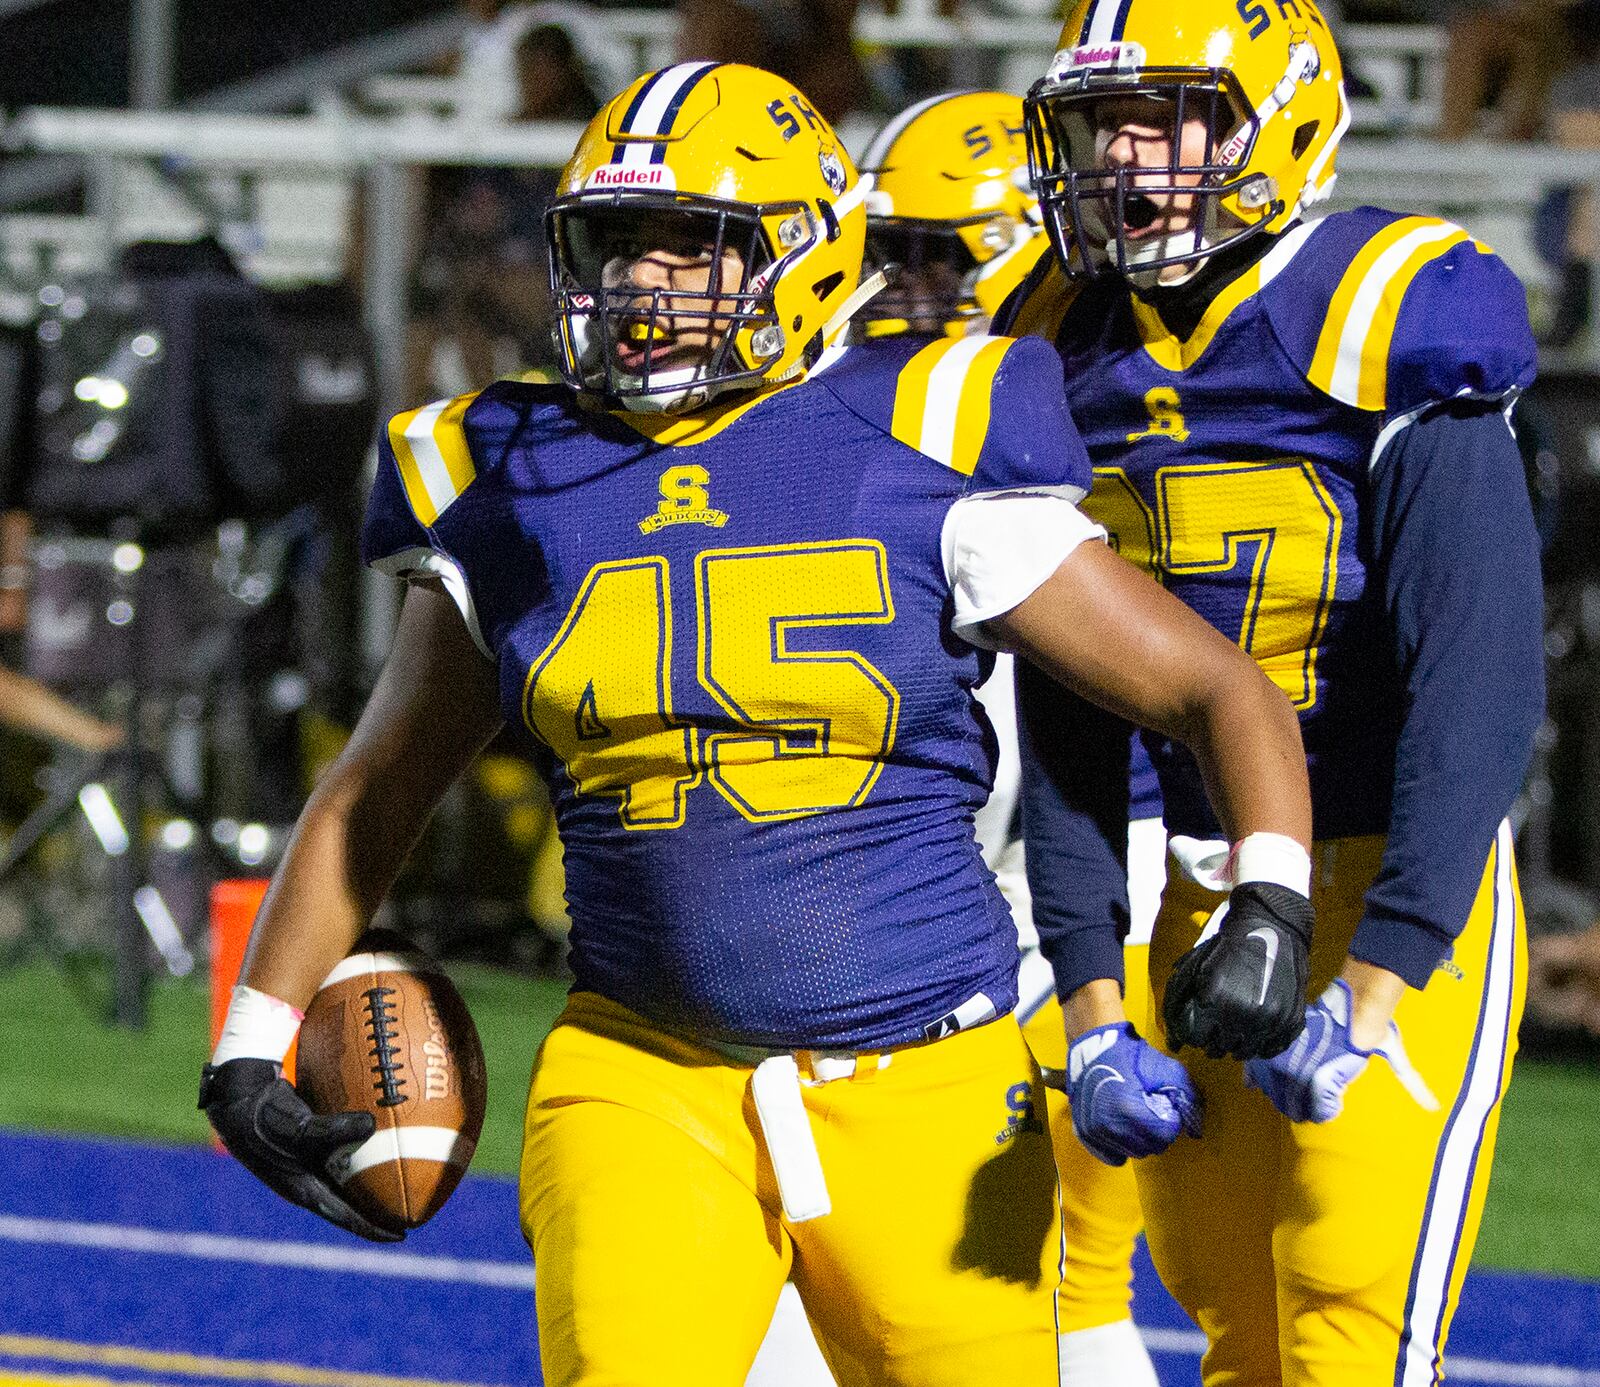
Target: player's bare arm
column 1119, row 639
column 431, row 712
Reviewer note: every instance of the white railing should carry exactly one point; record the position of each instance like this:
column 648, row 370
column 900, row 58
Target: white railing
column 311, row 163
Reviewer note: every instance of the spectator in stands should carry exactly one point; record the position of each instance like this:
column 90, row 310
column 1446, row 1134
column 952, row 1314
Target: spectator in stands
column 488, row 67
column 481, row 281
column 1504, row 48
column 807, row 41
column 1566, row 228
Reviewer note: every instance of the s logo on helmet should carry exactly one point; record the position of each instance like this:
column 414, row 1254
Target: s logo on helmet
column 833, row 173
column 641, row 176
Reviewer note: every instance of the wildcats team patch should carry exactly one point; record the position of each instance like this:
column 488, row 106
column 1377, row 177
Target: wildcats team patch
column 1021, row 1115
column 684, row 501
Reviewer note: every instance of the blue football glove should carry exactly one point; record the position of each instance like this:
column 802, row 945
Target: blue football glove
column 1128, row 1099
column 1240, row 993
column 1307, row 1082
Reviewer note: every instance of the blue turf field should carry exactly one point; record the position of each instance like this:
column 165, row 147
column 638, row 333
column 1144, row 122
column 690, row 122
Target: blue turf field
column 147, row 1265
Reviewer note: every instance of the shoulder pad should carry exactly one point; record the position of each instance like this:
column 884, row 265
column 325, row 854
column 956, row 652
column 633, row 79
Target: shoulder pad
column 1388, row 313
column 1038, row 306
column 440, row 448
column 991, row 409
column 943, row 399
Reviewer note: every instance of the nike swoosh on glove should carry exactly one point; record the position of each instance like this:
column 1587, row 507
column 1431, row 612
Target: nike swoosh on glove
column 1242, row 993
column 1307, row 1082
column 267, row 1126
column 1127, row 1098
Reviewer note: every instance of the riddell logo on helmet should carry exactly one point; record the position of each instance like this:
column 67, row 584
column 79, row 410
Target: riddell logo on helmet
column 621, row 176
column 1118, row 55
column 1233, row 151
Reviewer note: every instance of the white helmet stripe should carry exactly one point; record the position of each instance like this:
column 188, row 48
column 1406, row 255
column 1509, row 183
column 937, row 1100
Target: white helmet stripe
column 879, row 149
column 658, row 109
column 1105, row 21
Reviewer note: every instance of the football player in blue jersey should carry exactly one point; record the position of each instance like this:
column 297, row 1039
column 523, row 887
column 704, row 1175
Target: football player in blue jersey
column 735, row 584
column 1298, row 425
column 952, row 209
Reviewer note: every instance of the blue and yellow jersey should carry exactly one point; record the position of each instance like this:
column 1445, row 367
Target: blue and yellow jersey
column 726, row 638
column 1236, row 464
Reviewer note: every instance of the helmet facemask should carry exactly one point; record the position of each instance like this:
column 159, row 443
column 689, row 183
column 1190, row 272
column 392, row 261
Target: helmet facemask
column 930, row 268
column 1099, row 215
column 663, row 302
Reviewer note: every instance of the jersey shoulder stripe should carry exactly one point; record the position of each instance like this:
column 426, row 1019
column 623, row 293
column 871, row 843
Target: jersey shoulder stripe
column 1039, row 305
column 943, row 399
column 1351, row 362
column 430, row 449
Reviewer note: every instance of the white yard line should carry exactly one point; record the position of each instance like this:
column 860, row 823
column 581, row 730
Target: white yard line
column 116, row 1237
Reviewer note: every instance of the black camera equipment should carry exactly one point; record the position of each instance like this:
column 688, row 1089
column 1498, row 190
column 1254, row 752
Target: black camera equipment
column 185, row 449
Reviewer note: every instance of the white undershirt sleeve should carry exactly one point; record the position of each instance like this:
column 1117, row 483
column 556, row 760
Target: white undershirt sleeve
column 1000, row 546
column 428, row 563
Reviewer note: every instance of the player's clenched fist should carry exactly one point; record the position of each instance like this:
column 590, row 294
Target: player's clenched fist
column 1241, row 993
column 1307, row 1082
column 1127, row 1098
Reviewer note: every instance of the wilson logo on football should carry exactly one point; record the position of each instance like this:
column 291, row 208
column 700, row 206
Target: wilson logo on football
column 639, row 176
column 436, row 1078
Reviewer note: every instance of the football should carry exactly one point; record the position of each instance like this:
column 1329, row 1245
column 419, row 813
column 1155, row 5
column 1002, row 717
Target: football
column 388, row 1034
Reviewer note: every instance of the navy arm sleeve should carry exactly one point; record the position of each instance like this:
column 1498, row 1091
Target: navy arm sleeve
column 1459, row 559
column 1075, row 825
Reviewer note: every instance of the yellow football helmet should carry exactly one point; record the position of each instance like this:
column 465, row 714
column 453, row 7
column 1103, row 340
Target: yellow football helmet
column 951, row 208
column 1255, row 85
column 731, row 167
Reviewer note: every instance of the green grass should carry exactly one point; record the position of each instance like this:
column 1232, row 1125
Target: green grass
column 75, row 1074
column 70, row 1072
column 1543, row 1212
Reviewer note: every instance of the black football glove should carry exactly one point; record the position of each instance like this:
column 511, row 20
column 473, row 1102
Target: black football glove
column 278, row 1139
column 1242, row 993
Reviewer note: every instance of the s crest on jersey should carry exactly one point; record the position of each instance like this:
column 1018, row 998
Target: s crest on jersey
column 1166, row 416
column 684, row 501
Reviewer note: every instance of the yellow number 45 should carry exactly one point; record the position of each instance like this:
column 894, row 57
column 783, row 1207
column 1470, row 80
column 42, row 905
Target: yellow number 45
column 811, row 727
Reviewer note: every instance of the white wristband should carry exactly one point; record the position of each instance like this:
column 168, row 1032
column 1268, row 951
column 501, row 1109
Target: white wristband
column 1271, row 857
column 259, row 1027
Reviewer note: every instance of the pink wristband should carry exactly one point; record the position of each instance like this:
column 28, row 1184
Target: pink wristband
column 258, row 1026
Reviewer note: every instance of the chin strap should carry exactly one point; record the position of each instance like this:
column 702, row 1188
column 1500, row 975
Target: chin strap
column 865, row 291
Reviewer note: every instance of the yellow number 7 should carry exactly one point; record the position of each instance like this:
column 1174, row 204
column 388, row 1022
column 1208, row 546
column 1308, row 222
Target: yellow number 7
column 812, row 727
column 1276, row 516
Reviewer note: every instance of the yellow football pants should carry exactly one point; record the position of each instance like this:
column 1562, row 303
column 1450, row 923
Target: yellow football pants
column 1100, row 1216
column 658, row 1237
column 1332, row 1255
